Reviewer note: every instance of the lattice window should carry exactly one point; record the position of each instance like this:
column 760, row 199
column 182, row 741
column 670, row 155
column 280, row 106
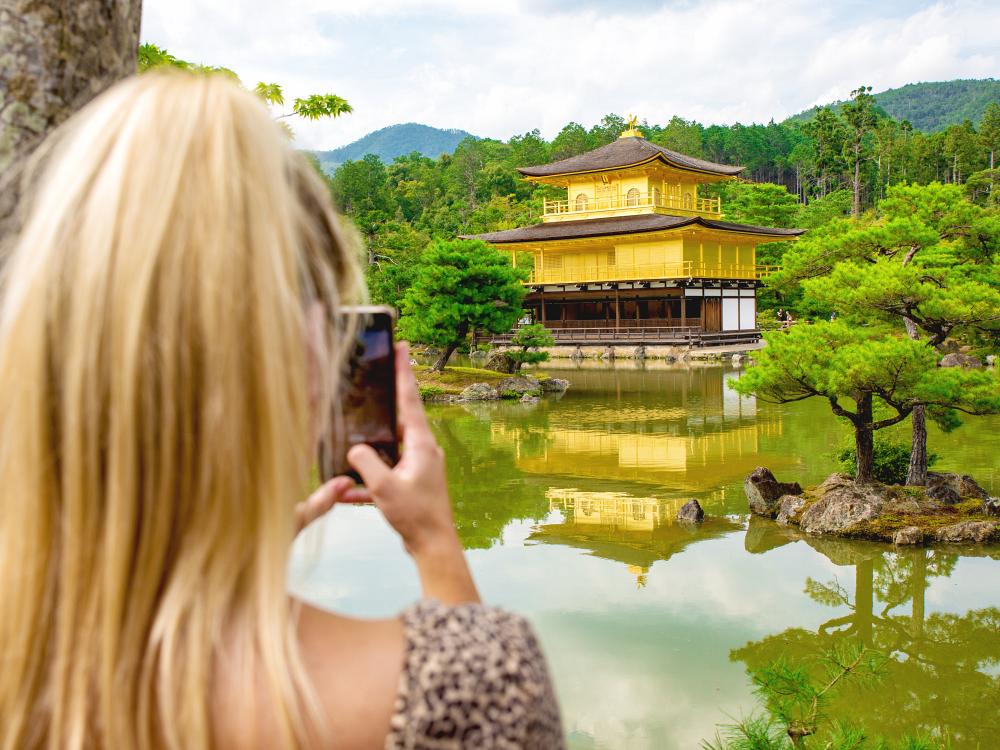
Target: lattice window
column 554, row 262
column 687, row 200
column 581, row 202
column 612, row 258
column 632, row 197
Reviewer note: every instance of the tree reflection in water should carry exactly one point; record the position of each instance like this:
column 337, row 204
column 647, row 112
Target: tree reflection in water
column 943, row 672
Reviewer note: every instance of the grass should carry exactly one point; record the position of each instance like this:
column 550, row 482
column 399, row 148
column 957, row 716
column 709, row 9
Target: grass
column 453, row 380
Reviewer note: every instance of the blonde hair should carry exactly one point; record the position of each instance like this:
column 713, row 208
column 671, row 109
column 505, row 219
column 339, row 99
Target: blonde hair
column 155, row 419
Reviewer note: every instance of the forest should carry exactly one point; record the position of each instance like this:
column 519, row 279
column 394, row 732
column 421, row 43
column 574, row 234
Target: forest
column 798, row 173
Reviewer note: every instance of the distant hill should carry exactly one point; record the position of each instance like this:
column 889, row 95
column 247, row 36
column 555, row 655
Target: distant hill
column 393, row 141
column 933, row 106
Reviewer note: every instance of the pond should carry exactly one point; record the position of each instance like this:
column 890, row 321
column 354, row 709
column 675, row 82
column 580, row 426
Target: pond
column 566, row 508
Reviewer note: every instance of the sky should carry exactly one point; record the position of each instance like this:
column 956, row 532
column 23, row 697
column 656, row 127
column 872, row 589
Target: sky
column 505, row 67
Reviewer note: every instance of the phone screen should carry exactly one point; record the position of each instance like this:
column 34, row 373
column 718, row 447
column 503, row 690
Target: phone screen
column 368, row 400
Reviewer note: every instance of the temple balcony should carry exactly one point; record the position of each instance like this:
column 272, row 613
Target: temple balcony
column 649, row 271
column 631, row 203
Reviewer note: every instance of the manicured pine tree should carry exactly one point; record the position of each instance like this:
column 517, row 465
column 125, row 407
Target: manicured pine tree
column 872, row 368
column 461, row 285
column 534, row 336
column 926, row 266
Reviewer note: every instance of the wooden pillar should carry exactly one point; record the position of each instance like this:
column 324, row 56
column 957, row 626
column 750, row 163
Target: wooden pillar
column 618, row 312
column 683, row 309
column 541, row 297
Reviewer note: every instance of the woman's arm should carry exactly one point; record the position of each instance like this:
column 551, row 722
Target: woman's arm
column 413, row 496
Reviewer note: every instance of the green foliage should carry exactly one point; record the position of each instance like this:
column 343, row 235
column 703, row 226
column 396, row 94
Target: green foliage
column 530, row 337
column 762, row 204
column 461, row 285
column 871, row 367
column 797, row 696
column 312, row 107
column 428, row 391
column 931, row 107
column 318, row 106
column 270, row 93
column 891, row 460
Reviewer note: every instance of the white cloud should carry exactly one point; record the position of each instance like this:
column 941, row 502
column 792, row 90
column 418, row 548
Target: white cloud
column 500, row 68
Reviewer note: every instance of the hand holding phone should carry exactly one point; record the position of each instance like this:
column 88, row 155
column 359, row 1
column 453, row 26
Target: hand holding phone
column 367, row 407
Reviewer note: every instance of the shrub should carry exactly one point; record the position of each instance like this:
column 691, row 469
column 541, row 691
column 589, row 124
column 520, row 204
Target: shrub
column 891, row 460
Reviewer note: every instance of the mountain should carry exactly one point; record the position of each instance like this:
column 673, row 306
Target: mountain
column 393, row 141
column 935, row 105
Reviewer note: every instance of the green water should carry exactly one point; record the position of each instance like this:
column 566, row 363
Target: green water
column 566, row 509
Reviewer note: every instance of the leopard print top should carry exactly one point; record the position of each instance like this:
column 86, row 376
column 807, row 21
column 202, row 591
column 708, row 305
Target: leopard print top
column 473, row 677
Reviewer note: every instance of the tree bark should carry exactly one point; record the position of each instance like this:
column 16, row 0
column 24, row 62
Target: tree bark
column 916, row 474
column 856, row 207
column 57, row 56
column 864, row 441
column 442, row 360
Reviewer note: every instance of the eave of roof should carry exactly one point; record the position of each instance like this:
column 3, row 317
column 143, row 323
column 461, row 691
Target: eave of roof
column 620, row 225
column 627, row 152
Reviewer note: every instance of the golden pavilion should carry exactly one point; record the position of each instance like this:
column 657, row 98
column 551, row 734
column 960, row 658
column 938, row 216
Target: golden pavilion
column 635, row 254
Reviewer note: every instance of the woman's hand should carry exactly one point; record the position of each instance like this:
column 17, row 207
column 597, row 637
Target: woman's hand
column 413, row 495
column 321, row 501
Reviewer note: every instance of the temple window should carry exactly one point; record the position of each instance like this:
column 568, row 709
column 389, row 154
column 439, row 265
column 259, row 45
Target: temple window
column 687, row 200
column 632, row 197
column 581, row 202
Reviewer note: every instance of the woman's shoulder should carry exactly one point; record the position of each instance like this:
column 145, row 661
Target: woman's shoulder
column 474, row 674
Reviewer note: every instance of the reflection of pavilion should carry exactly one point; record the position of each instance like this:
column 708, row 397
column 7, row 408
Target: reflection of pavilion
column 682, row 429
column 636, row 531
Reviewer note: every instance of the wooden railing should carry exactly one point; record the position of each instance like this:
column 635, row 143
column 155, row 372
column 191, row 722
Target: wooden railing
column 687, row 269
column 683, row 204
column 688, row 335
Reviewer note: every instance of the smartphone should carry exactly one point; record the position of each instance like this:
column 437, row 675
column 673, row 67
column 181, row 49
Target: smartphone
column 366, row 412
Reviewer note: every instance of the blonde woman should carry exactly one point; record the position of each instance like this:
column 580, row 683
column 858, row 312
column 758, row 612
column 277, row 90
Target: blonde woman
column 163, row 359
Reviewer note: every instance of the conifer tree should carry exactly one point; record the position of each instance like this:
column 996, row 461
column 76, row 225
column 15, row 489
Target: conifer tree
column 926, row 266
column 461, row 285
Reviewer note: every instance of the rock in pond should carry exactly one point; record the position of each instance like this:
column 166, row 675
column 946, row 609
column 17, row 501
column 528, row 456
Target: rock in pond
column 528, row 398
column 957, row 359
column 842, row 505
column 967, row 531
column 499, row 361
column 991, row 506
column 517, row 386
column 961, row 484
column 479, row 392
column 554, row 385
column 908, row 535
column 691, row 512
column 789, row 507
column 764, row 491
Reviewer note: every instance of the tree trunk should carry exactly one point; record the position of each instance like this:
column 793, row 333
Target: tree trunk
column 864, row 600
column 856, row 208
column 864, row 441
column 916, row 474
column 57, row 56
column 445, row 356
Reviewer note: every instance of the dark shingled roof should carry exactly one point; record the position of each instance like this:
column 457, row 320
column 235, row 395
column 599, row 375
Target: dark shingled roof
column 625, row 152
column 564, row 230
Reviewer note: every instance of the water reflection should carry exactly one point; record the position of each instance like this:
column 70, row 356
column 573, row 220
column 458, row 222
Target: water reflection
column 556, row 501
column 944, row 667
column 682, row 429
column 635, row 531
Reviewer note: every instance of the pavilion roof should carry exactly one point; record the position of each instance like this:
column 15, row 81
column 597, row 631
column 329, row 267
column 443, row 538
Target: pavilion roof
column 626, row 152
column 638, row 224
